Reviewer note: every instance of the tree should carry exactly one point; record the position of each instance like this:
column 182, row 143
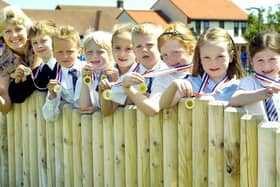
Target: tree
column 272, row 22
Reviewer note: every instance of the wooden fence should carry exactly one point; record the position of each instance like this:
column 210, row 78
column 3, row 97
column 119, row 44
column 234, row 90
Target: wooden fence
column 210, row 145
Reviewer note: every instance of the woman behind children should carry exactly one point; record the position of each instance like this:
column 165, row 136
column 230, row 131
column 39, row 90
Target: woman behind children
column 125, row 62
column 216, row 67
column 262, row 90
column 176, row 45
column 98, row 54
column 14, row 27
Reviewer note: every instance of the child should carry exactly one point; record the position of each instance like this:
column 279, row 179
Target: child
column 144, row 41
column 41, row 34
column 216, row 67
column 125, row 62
column 98, row 54
column 17, row 51
column 176, row 45
column 66, row 48
column 262, row 90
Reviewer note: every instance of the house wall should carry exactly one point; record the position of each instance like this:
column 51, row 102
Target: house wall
column 124, row 18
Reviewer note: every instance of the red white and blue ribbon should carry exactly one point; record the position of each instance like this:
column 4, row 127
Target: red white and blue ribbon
column 268, row 80
column 205, row 79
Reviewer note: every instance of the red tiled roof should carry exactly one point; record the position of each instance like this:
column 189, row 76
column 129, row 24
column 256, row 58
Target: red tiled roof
column 210, row 9
column 140, row 16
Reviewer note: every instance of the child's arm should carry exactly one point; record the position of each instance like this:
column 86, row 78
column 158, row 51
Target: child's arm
column 179, row 88
column 51, row 109
column 244, row 97
column 140, row 100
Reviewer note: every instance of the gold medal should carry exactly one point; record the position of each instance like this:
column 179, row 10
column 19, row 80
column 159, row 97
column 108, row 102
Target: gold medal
column 189, row 103
column 107, row 94
column 27, row 71
column 86, row 79
column 142, row 88
column 57, row 88
column 103, row 77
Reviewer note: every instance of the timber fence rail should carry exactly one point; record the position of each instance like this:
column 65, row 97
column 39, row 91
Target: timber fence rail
column 209, row 145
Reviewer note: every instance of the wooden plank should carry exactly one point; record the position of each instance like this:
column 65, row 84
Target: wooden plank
column 68, row 145
column 33, row 140
column 42, row 139
column 232, row 146
column 25, row 143
column 77, row 148
column 98, row 152
column 216, row 143
column 200, row 144
column 184, row 144
column 87, row 154
column 130, row 146
column 59, row 152
column 4, row 161
column 267, row 153
column 119, row 150
column 11, row 148
column 249, row 150
column 108, row 139
column 143, row 149
column 170, row 147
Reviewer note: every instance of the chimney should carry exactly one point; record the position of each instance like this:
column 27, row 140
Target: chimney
column 119, row 3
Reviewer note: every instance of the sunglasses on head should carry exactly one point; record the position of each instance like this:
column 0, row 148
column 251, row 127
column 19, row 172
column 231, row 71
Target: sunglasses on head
column 174, row 33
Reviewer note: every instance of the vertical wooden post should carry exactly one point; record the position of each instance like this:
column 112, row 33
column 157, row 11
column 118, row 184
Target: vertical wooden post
column 267, row 153
column 25, row 143
column 4, row 161
column 216, row 143
column 11, row 148
column 130, row 146
column 59, row 152
column 249, row 150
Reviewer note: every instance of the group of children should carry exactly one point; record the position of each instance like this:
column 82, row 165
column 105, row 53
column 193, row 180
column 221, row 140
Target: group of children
column 145, row 65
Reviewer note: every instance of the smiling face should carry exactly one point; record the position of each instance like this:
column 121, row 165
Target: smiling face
column 42, row 46
column 215, row 59
column 96, row 56
column 122, row 50
column 65, row 52
column 15, row 37
column 145, row 49
column 267, row 62
column 174, row 53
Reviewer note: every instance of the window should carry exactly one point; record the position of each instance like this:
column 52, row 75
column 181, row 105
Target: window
column 206, row 25
column 222, row 24
column 236, row 28
column 198, row 27
column 243, row 27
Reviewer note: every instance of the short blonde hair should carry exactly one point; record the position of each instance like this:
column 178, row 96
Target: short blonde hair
column 146, row 29
column 42, row 27
column 102, row 40
column 13, row 15
column 67, row 33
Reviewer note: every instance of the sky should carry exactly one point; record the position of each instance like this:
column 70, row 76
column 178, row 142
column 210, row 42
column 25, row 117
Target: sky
column 128, row 4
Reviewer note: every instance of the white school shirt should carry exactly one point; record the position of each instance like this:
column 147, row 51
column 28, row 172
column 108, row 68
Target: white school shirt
column 223, row 94
column 252, row 83
column 121, row 95
column 51, row 63
column 162, row 82
column 93, row 89
column 51, row 107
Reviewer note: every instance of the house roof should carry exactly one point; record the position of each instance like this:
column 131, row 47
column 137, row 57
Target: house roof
column 140, row 16
column 3, row 4
column 210, row 9
column 80, row 20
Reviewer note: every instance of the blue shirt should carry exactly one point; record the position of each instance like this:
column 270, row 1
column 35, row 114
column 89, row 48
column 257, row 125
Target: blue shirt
column 223, row 94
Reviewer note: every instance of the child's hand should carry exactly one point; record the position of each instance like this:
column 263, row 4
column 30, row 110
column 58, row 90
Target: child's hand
column 88, row 69
column 88, row 110
column 104, row 84
column 18, row 75
column 132, row 78
column 52, row 83
column 270, row 90
column 184, row 87
column 112, row 73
